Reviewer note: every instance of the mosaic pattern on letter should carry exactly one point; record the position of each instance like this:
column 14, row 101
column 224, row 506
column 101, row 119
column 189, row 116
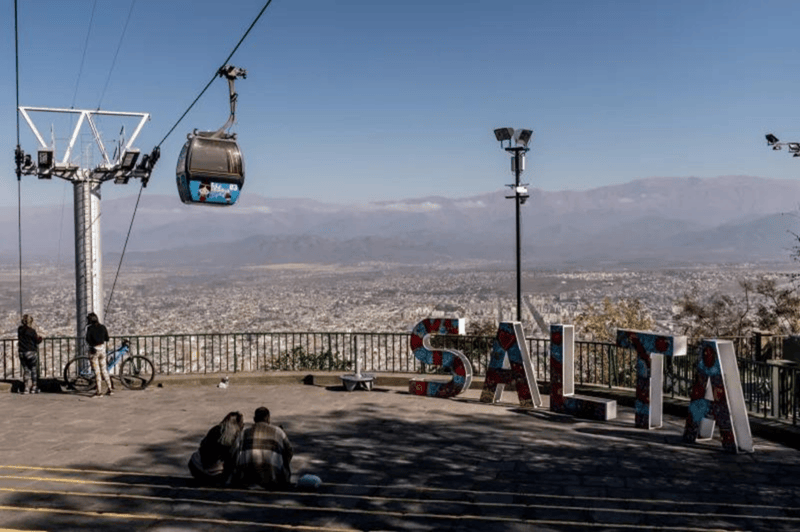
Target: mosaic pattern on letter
column 450, row 359
column 562, row 380
column 716, row 395
column 510, row 343
column 651, row 348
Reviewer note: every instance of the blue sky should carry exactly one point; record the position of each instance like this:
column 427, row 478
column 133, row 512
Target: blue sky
column 365, row 100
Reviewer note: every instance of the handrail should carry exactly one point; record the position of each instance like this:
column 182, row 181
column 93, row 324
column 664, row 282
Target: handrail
column 769, row 390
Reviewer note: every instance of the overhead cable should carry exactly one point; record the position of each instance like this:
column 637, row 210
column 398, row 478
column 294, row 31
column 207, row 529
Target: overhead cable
column 114, row 61
column 124, row 247
column 83, row 55
column 216, row 72
column 141, row 187
column 18, row 158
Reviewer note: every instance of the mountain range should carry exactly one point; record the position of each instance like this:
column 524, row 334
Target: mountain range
column 646, row 223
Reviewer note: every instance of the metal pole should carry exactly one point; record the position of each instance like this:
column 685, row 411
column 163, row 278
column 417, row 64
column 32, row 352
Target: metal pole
column 517, row 167
column 88, row 255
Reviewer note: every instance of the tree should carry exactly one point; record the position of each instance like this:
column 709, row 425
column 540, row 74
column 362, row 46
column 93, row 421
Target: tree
column 600, row 323
column 764, row 304
column 719, row 316
column 778, row 307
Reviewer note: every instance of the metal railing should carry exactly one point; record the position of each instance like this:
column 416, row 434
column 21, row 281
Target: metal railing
column 770, row 388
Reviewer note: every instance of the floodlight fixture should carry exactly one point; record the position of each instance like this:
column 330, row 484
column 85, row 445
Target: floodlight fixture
column 793, row 147
column 144, row 163
column 523, row 137
column 45, row 159
column 44, row 163
column 128, row 161
column 504, row 133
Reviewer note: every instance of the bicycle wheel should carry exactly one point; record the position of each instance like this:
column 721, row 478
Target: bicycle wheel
column 136, row 372
column 78, row 374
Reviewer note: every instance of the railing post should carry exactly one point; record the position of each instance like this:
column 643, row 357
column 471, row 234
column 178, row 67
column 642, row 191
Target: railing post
column 775, row 378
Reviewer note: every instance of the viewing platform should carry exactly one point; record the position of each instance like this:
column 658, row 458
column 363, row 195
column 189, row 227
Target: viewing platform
column 388, row 460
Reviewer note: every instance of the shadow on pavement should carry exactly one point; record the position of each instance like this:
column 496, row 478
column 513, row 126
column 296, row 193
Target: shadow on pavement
column 372, row 460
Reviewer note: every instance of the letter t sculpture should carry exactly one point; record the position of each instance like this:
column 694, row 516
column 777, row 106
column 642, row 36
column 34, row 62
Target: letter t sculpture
column 651, row 348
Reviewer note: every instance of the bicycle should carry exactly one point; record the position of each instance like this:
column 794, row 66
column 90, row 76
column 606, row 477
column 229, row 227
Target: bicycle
column 135, row 373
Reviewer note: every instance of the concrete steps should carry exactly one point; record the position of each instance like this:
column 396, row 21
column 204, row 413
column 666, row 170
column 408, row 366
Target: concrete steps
column 73, row 499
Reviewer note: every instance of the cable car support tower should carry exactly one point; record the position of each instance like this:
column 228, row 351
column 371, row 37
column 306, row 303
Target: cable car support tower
column 86, row 193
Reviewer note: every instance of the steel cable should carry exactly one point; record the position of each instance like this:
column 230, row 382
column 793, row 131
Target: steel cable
column 114, row 61
column 216, row 73
column 83, row 55
column 17, row 156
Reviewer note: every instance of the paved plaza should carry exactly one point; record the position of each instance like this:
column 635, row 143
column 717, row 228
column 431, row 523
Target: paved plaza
column 388, row 461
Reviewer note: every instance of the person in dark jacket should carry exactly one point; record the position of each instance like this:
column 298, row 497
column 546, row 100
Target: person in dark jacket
column 96, row 337
column 212, row 464
column 28, row 341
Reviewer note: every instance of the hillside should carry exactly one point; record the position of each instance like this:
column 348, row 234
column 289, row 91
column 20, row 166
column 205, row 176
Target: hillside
column 657, row 220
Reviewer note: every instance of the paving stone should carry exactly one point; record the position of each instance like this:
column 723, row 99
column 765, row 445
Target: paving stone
column 388, row 461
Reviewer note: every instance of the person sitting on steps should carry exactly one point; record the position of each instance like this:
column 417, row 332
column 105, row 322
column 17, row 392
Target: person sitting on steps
column 264, row 454
column 212, row 464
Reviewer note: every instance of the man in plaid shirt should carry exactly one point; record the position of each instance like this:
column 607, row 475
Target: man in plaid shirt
column 264, row 454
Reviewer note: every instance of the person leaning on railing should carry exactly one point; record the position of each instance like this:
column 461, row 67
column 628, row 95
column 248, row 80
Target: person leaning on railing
column 28, row 341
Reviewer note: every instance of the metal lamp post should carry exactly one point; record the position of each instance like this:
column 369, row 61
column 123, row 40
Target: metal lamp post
column 521, row 138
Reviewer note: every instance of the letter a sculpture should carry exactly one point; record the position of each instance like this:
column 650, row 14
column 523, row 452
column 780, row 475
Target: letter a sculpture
column 716, row 395
column 510, row 342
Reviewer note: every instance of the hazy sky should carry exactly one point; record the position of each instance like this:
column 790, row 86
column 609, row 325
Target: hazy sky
column 362, row 100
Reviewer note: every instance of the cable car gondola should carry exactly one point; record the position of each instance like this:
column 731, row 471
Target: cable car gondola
column 210, row 168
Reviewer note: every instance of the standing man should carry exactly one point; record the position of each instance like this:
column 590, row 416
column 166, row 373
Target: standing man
column 96, row 337
column 28, row 341
column 264, row 454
